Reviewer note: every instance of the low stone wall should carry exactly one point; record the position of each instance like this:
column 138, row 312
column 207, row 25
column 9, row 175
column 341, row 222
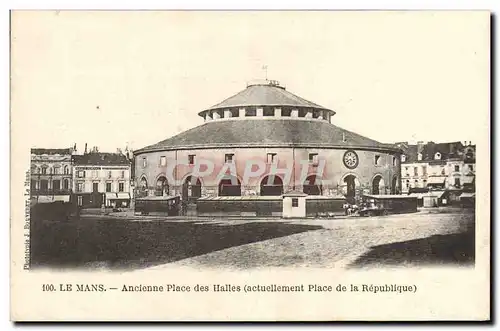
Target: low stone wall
column 265, row 206
column 319, row 206
column 240, row 206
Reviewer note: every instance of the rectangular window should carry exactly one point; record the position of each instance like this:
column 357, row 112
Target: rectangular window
column 66, row 184
column 191, row 159
column 44, row 185
column 80, row 200
column 56, row 185
column 457, row 168
column 313, row 158
column 80, row 187
column 415, row 171
column 250, row 112
column 424, row 170
column 394, row 161
column 108, row 187
column 44, row 171
column 457, row 182
column 121, row 187
column 81, row 174
column 295, row 202
column 229, row 158
column 95, row 187
column 268, row 111
column 56, row 170
column 377, row 159
column 271, row 157
column 163, row 161
column 471, row 167
column 144, row 162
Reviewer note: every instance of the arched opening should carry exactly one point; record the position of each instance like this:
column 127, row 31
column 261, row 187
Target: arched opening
column 161, row 186
column 191, row 188
column 229, row 186
column 377, row 185
column 142, row 189
column 394, row 185
column 271, row 185
column 311, row 187
column 350, row 182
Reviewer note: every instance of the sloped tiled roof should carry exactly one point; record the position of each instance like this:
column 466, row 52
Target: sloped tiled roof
column 264, row 95
column 447, row 150
column 101, row 159
column 267, row 132
column 51, row 151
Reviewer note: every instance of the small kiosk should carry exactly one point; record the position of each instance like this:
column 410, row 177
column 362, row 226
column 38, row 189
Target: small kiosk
column 294, row 204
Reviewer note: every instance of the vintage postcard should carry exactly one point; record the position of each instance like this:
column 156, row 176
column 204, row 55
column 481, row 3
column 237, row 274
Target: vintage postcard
column 250, row 165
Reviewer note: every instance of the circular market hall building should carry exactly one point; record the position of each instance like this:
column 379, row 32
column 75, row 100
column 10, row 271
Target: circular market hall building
column 266, row 141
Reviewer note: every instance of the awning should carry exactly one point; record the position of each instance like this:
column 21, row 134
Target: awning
column 117, row 196
column 468, row 179
column 417, row 195
column 467, row 195
column 123, row 195
column 110, row 196
column 436, row 180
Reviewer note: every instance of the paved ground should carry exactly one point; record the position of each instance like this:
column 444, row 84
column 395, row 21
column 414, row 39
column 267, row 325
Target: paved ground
column 441, row 237
column 434, row 236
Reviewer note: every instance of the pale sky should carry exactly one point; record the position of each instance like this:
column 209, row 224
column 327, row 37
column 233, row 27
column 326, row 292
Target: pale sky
column 112, row 78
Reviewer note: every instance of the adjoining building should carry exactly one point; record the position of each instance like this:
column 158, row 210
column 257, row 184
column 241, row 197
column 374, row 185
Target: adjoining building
column 51, row 174
column 102, row 179
column 285, row 142
column 445, row 167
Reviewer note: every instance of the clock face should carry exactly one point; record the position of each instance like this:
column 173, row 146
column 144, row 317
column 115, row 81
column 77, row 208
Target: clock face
column 351, row 159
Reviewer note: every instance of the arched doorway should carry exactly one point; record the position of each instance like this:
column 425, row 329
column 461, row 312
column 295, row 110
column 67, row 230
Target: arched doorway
column 271, row 185
column 350, row 182
column 191, row 188
column 310, row 186
column 161, row 186
column 229, row 186
column 394, row 185
column 377, row 185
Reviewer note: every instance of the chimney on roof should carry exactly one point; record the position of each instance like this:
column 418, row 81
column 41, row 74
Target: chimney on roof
column 420, row 146
column 85, row 152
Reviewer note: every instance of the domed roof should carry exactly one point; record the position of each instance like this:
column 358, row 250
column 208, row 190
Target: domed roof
column 272, row 132
column 265, row 93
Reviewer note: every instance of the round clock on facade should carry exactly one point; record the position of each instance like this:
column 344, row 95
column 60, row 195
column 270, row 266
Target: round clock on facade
column 351, row 159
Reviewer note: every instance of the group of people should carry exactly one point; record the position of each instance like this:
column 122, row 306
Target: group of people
column 350, row 209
